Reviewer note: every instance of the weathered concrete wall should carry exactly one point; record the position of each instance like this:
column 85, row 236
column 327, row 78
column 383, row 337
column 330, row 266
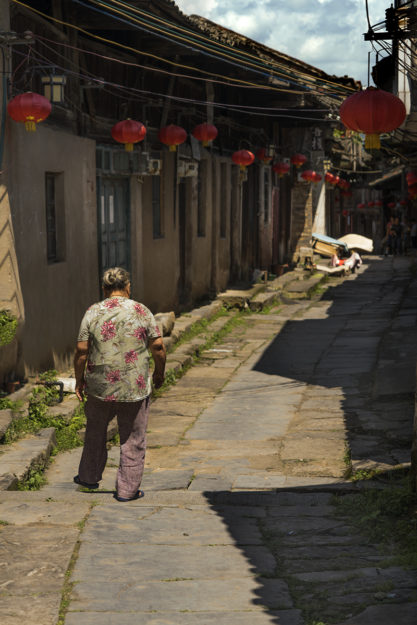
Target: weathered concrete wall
column 265, row 218
column 55, row 295
column 319, row 198
column 11, row 298
column 160, row 256
column 413, row 473
column 201, row 253
column 301, row 215
column 225, row 192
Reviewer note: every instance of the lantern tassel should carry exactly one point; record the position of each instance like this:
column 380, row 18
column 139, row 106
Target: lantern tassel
column 129, row 147
column 172, row 148
column 372, row 142
column 30, row 125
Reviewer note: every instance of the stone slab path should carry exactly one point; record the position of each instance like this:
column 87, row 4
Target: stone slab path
column 246, row 453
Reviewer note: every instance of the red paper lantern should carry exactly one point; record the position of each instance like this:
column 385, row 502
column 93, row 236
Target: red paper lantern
column 412, row 191
column 361, row 205
column 30, row 108
column 392, row 205
column 316, row 178
column 379, row 203
column 345, row 212
column 403, row 202
column 205, row 133
column 411, row 178
column 344, row 184
column 128, row 132
column 372, row 111
column 371, row 204
column 172, row 136
column 281, row 169
column 328, row 177
column 336, row 181
column 308, row 175
column 298, row 160
column 243, row 158
column 263, row 156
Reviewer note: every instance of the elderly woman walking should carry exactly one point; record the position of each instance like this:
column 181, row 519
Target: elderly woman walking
column 112, row 367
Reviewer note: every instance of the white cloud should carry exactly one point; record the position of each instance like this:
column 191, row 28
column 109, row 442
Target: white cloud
column 324, row 33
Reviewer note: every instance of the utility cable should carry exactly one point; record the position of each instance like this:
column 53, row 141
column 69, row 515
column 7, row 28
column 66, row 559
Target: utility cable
column 193, row 35
column 153, row 69
column 263, row 70
column 149, row 54
column 243, row 109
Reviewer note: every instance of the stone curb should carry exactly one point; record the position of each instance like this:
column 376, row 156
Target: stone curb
column 6, row 417
column 27, row 453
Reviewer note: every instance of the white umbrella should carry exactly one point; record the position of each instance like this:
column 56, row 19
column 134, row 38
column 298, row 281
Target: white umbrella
column 358, row 242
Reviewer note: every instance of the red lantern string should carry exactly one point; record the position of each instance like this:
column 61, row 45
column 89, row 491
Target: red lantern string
column 206, row 133
column 308, row 175
column 298, row 160
column 172, row 136
column 29, row 108
column 263, row 156
column 372, row 111
column 128, row 132
column 281, row 169
column 243, row 158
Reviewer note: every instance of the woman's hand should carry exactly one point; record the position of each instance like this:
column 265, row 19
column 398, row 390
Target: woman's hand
column 79, row 390
column 158, row 379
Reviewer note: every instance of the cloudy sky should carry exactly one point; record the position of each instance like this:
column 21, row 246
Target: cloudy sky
column 325, row 33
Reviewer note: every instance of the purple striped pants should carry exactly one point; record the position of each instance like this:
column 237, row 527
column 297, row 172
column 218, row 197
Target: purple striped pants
column 132, row 419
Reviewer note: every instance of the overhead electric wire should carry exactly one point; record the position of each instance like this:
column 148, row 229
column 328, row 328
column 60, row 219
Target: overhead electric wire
column 129, row 9
column 243, row 109
column 154, row 56
column 152, row 68
column 250, row 66
column 318, row 91
column 257, row 67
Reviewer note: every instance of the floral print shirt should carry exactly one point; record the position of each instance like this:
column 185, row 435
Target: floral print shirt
column 117, row 330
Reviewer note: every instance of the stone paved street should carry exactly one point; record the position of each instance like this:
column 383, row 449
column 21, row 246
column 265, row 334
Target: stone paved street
column 246, row 455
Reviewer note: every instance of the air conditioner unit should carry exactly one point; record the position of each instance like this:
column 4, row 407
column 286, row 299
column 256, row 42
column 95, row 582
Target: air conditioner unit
column 187, row 169
column 154, row 167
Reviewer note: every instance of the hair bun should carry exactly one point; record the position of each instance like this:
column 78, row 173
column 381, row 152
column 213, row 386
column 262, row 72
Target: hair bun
column 116, row 279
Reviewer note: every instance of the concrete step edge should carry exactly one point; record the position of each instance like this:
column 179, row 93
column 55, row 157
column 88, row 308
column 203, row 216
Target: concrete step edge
column 37, row 450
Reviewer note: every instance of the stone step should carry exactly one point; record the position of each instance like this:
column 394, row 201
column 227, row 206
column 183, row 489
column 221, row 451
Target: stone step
column 263, row 300
column 6, row 417
column 30, row 452
column 300, row 289
column 65, row 409
column 239, row 298
column 183, row 355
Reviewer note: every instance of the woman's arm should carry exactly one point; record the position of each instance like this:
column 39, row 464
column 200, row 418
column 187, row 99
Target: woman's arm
column 159, row 355
column 80, row 359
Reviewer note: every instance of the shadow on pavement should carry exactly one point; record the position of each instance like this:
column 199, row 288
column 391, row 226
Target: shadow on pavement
column 359, row 344
column 364, row 346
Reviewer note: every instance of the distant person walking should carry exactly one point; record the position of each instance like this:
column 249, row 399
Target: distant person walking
column 111, row 366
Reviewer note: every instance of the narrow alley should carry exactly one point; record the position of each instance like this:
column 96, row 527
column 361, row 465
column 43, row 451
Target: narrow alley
column 250, row 455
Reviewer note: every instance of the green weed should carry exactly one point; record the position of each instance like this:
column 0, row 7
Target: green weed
column 388, row 517
column 8, row 327
column 34, row 479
